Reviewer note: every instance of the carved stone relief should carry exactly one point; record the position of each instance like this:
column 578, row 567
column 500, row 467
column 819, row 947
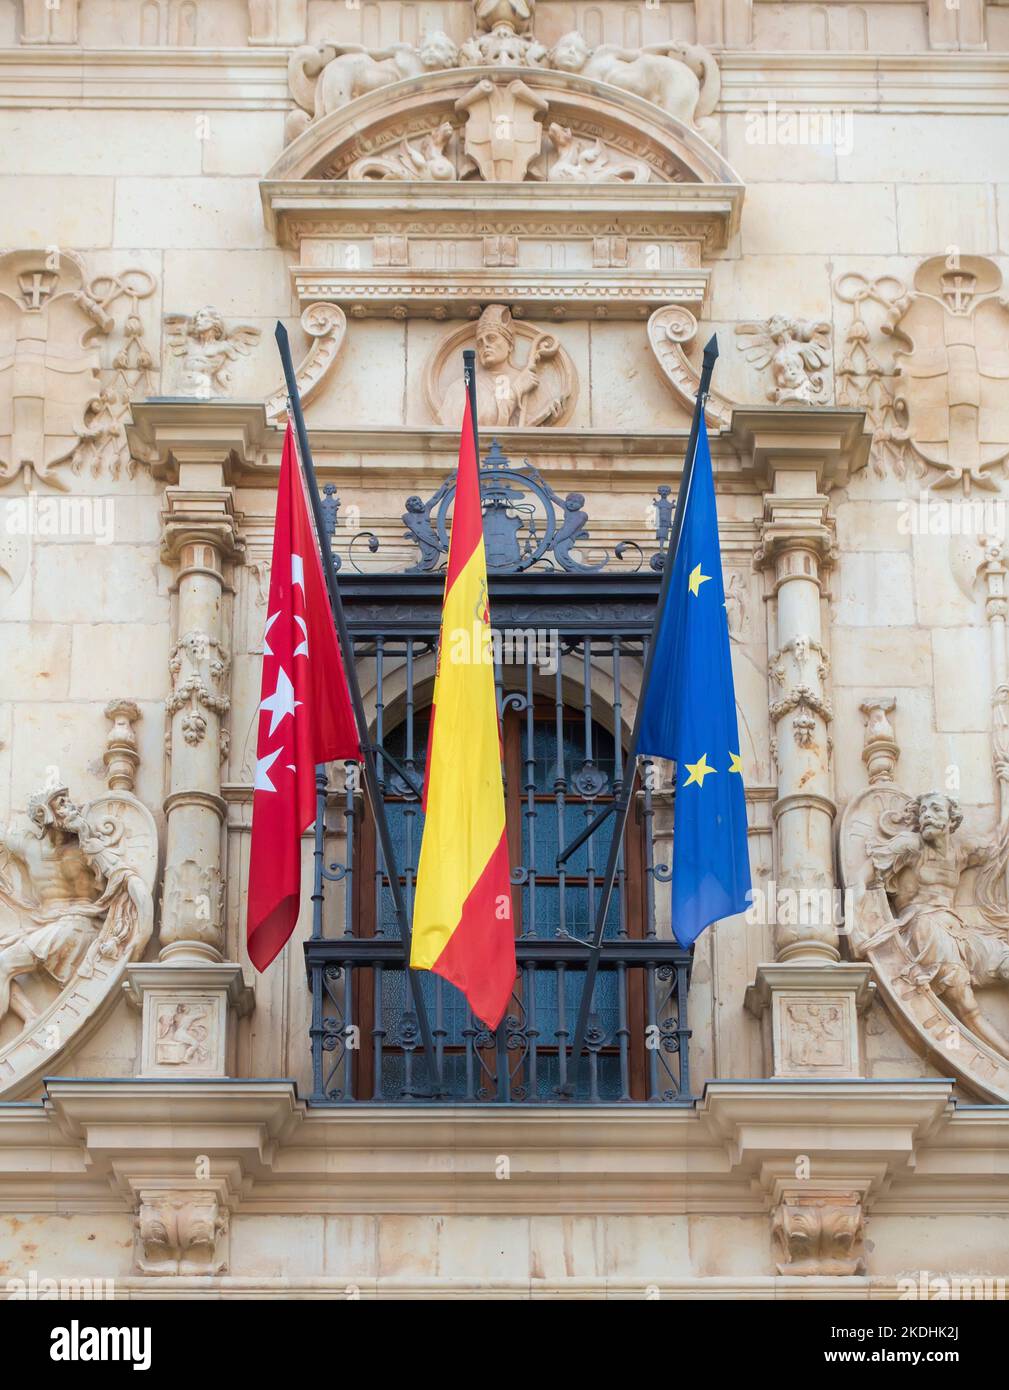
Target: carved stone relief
column 52, row 320
column 817, row 1232
column 796, row 352
column 503, row 132
column 326, row 327
column 671, row 330
column 930, row 369
column 800, row 668
column 199, row 666
column 534, row 387
column 930, row 913
column 192, row 903
column 681, row 79
column 426, row 160
column 323, row 79
column 578, row 160
column 206, row 350
column 76, row 907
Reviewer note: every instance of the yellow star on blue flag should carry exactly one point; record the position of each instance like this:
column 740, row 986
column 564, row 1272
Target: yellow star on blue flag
column 690, row 706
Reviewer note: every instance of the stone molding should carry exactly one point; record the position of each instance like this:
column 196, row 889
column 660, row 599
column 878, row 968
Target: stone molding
column 255, row 79
column 903, row 1145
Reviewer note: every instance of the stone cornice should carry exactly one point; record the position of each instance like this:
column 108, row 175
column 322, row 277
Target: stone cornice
column 236, row 432
column 903, row 1144
column 256, row 79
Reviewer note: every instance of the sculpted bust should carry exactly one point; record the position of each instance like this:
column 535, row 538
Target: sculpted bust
column 505, row 391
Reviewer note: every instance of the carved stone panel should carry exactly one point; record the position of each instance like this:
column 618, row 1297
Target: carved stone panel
column 930, row 366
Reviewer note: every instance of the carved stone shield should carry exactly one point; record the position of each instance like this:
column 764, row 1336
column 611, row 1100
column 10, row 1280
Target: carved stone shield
column 503, row 133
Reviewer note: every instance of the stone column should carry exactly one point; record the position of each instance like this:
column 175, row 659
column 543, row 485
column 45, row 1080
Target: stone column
column 797, row 537
column 186, row 995
column 811, row 996
column 993, row 571
column 200, row 537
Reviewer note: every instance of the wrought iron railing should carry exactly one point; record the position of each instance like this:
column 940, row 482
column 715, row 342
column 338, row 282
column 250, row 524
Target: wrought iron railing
column 562, row 768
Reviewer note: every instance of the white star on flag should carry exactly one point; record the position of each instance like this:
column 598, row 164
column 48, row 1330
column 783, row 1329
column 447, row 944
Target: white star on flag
column 262, row 782
column 282, row 701
column 298, row 572
column 267, row 649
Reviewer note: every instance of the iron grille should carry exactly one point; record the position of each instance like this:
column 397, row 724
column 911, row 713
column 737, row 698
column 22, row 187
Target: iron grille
column 562, row 767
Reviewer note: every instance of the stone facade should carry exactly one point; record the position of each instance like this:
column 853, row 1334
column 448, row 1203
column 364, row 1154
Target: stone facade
column 584, row 193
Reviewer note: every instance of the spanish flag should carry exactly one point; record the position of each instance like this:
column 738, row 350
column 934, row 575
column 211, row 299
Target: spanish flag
column 462, row 914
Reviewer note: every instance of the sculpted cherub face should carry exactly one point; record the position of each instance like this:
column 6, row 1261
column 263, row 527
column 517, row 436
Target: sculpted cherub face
column 570, row 53
column 437, row 51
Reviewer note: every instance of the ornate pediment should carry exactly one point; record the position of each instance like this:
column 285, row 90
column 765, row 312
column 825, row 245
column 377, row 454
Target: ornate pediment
column 612, row 205
column 416, row 107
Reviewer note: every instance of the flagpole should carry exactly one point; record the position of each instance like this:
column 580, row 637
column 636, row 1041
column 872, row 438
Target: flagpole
column 623, row 802
column 361, row 719
column 469, row 381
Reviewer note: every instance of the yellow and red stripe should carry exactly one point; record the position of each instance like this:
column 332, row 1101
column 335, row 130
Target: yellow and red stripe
column 462, row 914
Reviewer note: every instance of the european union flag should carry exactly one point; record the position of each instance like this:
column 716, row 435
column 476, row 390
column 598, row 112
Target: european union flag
column 689, row 716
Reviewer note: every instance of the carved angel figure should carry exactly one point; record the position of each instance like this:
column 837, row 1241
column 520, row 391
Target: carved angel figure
column 682, row 79
column 919, row 864
column 796, row 350
column 83, row 895
column 208, row 348
column 323, row 79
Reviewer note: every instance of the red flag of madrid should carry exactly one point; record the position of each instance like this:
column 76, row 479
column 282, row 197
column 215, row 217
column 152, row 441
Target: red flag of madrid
column 305, row 717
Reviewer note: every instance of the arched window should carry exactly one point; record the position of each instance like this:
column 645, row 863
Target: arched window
column 561, row 772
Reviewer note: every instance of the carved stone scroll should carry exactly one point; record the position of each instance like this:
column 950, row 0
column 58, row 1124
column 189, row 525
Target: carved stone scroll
column 670, row 331
column 326, row 326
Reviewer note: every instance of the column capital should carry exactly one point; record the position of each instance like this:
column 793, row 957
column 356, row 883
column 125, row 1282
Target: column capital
column 196, row 518
column 197, row 443
column 801, row 451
